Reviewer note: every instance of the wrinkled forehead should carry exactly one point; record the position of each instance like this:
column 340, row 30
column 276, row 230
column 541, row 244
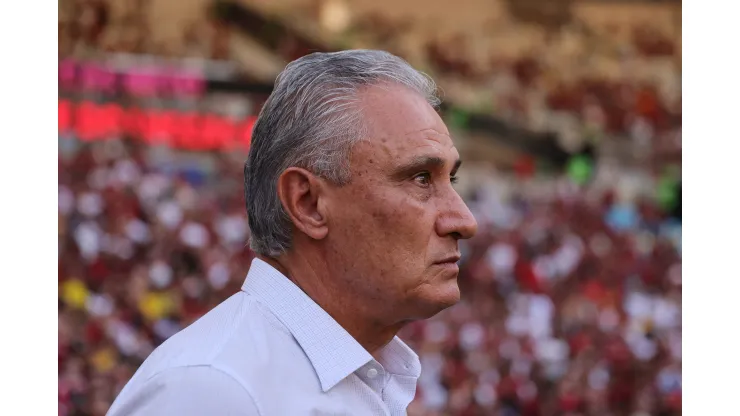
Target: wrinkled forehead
column 400, row 124
column 402, row 149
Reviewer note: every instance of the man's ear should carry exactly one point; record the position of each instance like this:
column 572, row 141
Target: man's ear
column 300, row 192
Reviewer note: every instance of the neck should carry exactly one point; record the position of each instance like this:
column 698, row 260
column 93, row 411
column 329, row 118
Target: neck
column 331, row 295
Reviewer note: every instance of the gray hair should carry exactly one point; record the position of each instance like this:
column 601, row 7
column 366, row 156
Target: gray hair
column 311, row 121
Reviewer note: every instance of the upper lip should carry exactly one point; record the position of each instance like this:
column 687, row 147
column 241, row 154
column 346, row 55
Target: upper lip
column 453, row 258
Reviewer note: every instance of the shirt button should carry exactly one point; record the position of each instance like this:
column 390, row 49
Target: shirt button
column 372, row 373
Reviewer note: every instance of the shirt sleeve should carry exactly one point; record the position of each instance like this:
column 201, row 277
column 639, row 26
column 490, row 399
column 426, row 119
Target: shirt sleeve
column 188, row 391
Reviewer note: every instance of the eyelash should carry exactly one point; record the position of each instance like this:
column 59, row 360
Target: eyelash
column 453, row 178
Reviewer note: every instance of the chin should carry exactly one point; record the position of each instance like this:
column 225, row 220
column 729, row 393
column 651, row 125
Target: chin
column 438, row 298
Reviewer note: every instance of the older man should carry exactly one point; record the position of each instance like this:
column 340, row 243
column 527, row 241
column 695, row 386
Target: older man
column 355, row 223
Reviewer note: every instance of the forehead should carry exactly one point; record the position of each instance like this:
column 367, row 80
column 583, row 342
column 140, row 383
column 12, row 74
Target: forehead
column 401, row 126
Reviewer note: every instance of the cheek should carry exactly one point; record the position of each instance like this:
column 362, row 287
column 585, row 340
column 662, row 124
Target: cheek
column 391, row 228
column 403, row 226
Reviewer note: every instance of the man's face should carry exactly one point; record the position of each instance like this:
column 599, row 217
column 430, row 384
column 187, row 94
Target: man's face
column 394, row 229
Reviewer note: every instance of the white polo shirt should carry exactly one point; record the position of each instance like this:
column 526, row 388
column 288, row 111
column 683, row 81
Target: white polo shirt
column 269, row 350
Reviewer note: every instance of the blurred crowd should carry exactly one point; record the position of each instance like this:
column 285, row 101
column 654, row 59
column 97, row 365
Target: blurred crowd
column 566, row 85
column 571, row 293
column 571, row 305
column 616, row 80
column 143, row 252
column 88, row 28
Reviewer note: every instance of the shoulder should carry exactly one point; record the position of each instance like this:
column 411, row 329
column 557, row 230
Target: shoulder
column 238, row 324
column 239, row 336
column 237, row 352
column 188, row 390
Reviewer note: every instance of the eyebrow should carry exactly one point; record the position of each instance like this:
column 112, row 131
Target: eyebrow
column 424, row 162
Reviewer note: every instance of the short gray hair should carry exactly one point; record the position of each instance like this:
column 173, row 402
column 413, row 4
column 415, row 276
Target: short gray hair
column 311, row 121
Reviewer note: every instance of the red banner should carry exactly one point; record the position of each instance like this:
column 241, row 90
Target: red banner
column 184, row 130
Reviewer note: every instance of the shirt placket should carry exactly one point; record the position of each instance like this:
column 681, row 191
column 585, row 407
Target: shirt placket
column 375, row 376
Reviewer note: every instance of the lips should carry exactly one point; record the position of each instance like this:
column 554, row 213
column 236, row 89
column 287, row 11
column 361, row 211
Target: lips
column 454, row 258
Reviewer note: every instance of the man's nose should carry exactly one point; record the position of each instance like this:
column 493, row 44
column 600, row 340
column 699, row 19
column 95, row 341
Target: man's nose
column 455, row 219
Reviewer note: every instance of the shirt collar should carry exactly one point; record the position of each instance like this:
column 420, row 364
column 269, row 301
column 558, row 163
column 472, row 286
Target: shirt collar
column 333, row 352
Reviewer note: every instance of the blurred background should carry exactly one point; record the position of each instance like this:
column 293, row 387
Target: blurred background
column 566, row 112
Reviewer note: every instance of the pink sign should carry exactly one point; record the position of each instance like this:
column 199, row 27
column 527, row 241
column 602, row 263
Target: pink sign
column 151, row 81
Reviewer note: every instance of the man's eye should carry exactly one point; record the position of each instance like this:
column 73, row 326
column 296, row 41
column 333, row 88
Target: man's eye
column 423, row 179
column 453, row 179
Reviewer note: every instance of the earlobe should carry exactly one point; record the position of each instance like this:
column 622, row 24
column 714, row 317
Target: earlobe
column 301, row 193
